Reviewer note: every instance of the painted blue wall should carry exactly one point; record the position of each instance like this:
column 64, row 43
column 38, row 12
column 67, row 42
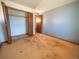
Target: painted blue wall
column 1, row 33
column 2, row 38
column 63, row 22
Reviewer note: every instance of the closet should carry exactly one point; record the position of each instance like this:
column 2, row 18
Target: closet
column 16, row 22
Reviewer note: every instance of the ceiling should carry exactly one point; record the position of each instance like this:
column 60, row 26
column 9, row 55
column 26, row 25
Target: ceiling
column 42, row 6
column 47, row 5
column 30, row 3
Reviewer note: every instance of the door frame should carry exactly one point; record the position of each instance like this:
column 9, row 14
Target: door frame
column 6, row 25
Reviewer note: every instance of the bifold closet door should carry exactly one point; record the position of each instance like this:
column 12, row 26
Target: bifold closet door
column 18, row 22
column 6, row 23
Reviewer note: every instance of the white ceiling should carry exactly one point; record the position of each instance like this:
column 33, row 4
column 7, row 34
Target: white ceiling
column 47, row 5
column 42, row 6
column 30, row 3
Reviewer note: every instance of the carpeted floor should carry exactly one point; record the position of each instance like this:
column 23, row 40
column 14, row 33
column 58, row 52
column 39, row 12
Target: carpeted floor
column 39, row 46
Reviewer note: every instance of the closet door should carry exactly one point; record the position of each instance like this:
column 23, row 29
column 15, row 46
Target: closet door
column 18, row 22
column 6, row 23
column 30, row 24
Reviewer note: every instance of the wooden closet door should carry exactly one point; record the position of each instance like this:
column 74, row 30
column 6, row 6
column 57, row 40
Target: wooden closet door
column 6, row 24
column 30, row 23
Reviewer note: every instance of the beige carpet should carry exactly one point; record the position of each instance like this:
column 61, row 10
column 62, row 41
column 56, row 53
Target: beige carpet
column 39, row 47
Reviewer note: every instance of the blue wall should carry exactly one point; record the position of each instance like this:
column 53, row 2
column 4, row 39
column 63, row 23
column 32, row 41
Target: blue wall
column 63, row 22
column 1, row 33
column 1, row 26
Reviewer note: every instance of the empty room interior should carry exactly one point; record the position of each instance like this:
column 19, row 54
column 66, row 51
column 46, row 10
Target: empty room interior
column 39, row 29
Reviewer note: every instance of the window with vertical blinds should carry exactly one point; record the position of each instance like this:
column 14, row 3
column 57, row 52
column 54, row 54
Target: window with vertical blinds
column 18, row 22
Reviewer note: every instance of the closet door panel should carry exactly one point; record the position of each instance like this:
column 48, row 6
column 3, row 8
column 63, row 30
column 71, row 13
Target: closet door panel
column 18, row 22
column 18, row 25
